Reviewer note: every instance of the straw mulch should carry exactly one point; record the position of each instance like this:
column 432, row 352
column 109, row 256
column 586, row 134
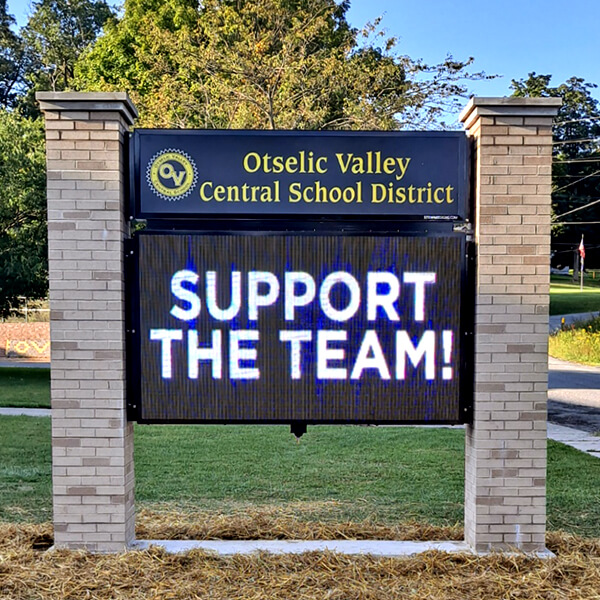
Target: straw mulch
column 278, row 522
column 28, row 571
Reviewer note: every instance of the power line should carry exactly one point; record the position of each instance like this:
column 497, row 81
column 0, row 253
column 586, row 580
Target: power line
column 580, row 141
column 573, row 246
column 574, row 198
column 576, row 182
column 578, row 208
column 576, row 160
column 577, row 120
column 576, row 223
column 567, row 176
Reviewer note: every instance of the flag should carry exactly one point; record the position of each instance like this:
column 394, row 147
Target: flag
column 582, row 249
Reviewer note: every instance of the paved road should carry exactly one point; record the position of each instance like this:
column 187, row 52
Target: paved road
column 557, row 320
column 29, row 364
column 574, row 395
column 574, row 390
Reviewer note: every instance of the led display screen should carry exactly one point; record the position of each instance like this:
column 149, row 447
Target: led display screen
column 284, row 328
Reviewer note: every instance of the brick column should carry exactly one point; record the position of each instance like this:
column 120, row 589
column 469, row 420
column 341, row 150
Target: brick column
column 92, row 442
column 505, row 474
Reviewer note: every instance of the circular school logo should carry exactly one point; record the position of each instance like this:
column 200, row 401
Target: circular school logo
column 171, row 174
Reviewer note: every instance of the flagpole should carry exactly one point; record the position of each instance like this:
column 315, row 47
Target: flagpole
column 581, row 260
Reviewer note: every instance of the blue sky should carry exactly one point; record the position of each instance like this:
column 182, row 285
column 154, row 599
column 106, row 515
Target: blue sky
column 506, row 37
column 509, row 38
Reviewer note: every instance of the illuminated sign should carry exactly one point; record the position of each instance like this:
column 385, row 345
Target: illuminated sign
column 183, row 174
column 284, row 328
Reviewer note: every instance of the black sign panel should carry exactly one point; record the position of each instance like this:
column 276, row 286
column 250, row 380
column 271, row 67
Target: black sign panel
column 194, row 174
column 283, row 328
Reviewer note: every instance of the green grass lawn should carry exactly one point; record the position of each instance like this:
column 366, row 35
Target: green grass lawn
column 566, row 297
column 573, row 484
column 21, row 387
column 25, row 469
column 387, row 474
column 382, row 471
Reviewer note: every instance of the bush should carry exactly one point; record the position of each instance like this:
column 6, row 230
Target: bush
column 579, row 342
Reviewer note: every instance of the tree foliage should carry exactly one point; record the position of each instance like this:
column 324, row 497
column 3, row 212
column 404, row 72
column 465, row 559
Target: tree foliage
column 14, row 60
column 576, row 153
column 577, row 118
column 41, row 57
column 57, row 33
column 23, row 236
column 269, row 64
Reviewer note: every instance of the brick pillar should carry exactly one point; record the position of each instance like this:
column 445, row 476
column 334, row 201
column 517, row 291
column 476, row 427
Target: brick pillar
column 92, row 442
column 505, row 474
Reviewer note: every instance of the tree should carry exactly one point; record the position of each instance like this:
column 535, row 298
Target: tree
column 57, row 32
column 576, row 166
column 13, row 60
column 268, row 64
column 23, row 236
column 42, row 58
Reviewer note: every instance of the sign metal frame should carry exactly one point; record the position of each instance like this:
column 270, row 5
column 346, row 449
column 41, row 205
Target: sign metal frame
column 310, row 222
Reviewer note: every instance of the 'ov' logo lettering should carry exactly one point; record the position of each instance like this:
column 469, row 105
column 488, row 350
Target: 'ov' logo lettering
column 171, row 174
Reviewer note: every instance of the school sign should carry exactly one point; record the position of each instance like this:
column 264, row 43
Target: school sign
column 345, row 174
column 303, row 277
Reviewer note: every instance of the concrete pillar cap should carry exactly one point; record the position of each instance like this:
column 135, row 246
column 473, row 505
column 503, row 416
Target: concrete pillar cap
column 508, row 107
column 88, row 101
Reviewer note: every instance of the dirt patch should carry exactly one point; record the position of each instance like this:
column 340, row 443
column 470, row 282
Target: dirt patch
column 25, row 340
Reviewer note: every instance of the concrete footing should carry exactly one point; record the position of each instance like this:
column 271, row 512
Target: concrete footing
column 384, row 548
